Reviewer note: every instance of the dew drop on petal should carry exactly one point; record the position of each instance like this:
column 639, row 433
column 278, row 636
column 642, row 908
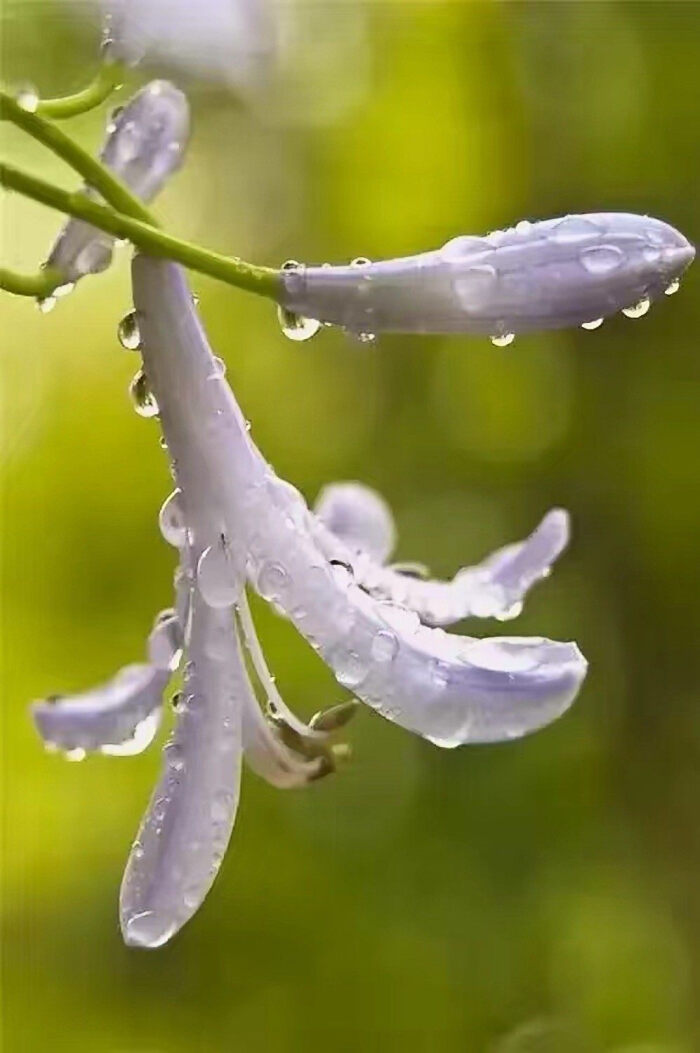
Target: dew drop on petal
column 575, row 228
column 143, row 736
column 147, row 930
column 360, row 261
column 384, row 646
column 216, row 577
column 672, row 288
column 504, row 340
column 272, row 580
column 350, row 669
column 27, row 98
column 128, row 332
column 637, row 310
column 171, row 520
column 602, row 259
column 595, row 324
column 64, row 290
column 46, row 304
column 142, row 397
column 523, row 227
column 295, row 326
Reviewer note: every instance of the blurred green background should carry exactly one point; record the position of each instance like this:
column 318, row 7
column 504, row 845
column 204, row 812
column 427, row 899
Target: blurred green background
column 538, row 896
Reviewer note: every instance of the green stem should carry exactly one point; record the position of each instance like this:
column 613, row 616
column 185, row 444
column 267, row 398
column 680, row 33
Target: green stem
column 38, row 285
column 264, row 281
column 107, row 80
column 93, row 172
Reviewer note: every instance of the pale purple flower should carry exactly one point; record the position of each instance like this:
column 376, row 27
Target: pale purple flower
column 234, row 522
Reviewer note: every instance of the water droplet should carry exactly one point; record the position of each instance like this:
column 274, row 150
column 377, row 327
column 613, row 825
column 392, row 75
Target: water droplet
column 219, row 369
column 523, row 227
column 272, row 580
column 128, row 332
column 504, row 340
column 64, row 290
column 367, row 338
column 27, row 97
column 143, row 736
column 592, row 325
column 360, row 261
column 574, row 228
column 295, row 326
column 177, row 701
column 46, row 304
column 137, row 851
column 217, row 580
column 463, row 245
column 95, row 257
column 672, row 288
column 171, row 520
column 602, row 259
column 142, row 397
column 384, row 646
column 146, row 929
column 637, row 310
column 350, row 669
column 75, row 755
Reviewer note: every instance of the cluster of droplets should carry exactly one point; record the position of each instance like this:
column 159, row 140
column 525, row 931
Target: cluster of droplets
column 129, row 336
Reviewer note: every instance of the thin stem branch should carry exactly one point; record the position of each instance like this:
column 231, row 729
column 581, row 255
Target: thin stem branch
column 38, row 285
column 93, row 172
column 108, row 79
column 264, row 281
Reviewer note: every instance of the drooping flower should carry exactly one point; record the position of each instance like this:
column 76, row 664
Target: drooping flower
column 552, row 274
column 234, row 521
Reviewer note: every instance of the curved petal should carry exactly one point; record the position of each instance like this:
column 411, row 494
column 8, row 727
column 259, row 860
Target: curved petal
column 188, row 823
column 120, row 716
column 358, row 516
column 494, row 588
column 546, row 275
column 449, row 689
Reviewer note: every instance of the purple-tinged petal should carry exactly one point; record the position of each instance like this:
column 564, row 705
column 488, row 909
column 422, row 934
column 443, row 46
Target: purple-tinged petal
column 359, row 516
column 449, row 689
column 544, row 275
column 146, row 141
column 121, row 716
column 494, row 588
column 187, row 826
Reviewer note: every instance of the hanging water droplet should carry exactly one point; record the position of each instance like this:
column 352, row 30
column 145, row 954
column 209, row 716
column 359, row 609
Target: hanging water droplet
column 350, row 669
column 64, row 290
column 217, row 580
column 143, row 736
column 171, row 520
column 219, row 369
column 128, row 333
column 293, row 276
column 295, row 326
column 27, row 97
column 673, row 287
column 592, row 325
column 602, row 259
column 142, row 397
column 637, row 310
column 46, row 304
column 360, row 261
column 77, row 754
column 504, row 340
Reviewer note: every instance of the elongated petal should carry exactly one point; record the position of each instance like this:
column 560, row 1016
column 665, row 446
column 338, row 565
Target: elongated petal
column 120, row 716
column 145, row 144
column 449, row 689
column 494, row 588
column 187, row 826
column 359, row 516
column 545, row 275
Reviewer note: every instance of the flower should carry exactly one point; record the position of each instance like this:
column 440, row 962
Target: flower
column 575, row 270
column 145, row 144
column 236, row 523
